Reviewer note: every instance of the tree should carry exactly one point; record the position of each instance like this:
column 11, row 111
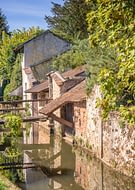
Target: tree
column 112, row 24
column 9, row 43
column 3, row 24
column 95, row 59
column 16, row 78
column 69, row 19
column 9, row 62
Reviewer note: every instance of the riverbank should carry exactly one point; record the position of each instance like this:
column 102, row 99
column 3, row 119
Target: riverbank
column 8, row 184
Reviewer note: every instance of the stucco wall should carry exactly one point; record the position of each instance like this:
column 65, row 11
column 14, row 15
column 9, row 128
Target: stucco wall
column 27, row 79
column 44, row 47
column 56, row 93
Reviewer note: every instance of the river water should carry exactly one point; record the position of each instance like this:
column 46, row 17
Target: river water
column 59, row 166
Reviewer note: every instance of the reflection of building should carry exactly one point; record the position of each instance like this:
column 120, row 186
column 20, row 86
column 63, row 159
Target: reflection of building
column 34, row 178
column 88, row 173
column 56, row 167
column 92, row 174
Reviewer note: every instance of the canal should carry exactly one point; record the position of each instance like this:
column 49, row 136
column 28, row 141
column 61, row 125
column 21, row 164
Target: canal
column 48, row 163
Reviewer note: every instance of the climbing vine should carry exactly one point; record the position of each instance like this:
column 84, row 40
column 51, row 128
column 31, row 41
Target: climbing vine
column 116, row 31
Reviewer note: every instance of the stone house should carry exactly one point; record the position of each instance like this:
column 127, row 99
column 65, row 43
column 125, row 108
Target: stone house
column 68, row 105
column 37, row 56
column 39, row 92
column 36, row 63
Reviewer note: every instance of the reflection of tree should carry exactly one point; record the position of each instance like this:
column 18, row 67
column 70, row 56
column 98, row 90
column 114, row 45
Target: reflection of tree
column 8, row 160
column 11, row 156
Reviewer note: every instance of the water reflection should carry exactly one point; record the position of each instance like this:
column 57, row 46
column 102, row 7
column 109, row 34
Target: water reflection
column 92, row 174
column 58, row 166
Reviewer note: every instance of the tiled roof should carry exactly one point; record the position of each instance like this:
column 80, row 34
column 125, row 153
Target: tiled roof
column 58, row 77
column 38, row 88
column 76, row 94
column 74, row 72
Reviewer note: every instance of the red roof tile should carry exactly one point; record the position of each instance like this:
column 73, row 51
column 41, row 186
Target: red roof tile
column 38, row 88
column 76, row 94
column 74, row 72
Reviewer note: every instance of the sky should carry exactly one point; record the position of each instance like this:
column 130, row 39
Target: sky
column 27, row 13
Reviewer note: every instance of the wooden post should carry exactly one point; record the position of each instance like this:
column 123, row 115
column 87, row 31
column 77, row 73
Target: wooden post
column 61, row 120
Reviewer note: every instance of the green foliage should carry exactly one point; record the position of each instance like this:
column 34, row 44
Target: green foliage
column 10, row 63
column 2, row 186
column 8, row 44
column 69, row 19
column 7, row 90
column 128, row 114
column 14, row 175
column 16, row 79
column 115, row 31
column 73, row 57
column 96, row 58
column 14, row 122
column 12, row 152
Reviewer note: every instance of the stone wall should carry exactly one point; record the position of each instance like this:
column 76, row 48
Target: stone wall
column 119, row 145
column 110, row 141
column 94, row 123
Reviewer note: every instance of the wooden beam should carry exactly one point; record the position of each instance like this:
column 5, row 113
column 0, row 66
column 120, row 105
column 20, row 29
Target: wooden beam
column 21, row 101
column 12, row 109
column 61, row 120
column 35, row 118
